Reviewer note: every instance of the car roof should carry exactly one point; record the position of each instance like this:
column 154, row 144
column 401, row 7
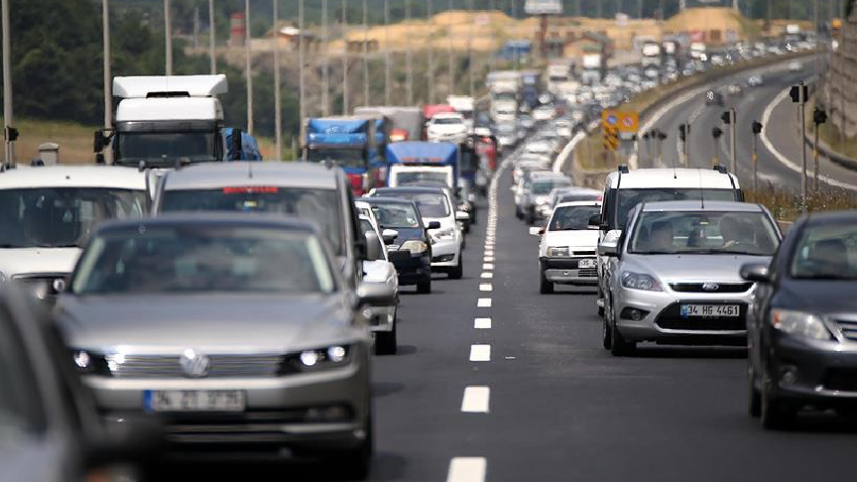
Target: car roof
column 387, row 200
column 426, row 190
column 546, row 175
column 682, row 178
column 214, row 175
column 578, row 203
column 831, row 217
column 696, row 205
column 74, row 176
column 200, row 219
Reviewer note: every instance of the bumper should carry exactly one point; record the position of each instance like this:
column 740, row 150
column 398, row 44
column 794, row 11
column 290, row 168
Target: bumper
column 317, row 411
column 660, row 318
column 814, row 370
column 568, row 271
column 413, row 270
column 382, row 318
column 445, row 253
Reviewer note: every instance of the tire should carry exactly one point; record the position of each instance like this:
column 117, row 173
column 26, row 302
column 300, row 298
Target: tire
column 424, row 287
column 600, row 308
column 606, row 335
column 754, row 399
column 545, row 287
column 386, row 341
column 776, row 414
column 518, row 213
column 619, row 346
column 530, row 217
column 458, row 271
column 357, row 463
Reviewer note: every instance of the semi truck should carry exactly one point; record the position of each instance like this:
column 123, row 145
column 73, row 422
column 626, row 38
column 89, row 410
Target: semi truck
column 161, row 121
column 594, row 66
column 505, row 90
column 350, row 143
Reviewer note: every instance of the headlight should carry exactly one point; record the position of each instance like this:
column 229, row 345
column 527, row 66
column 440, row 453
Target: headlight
column 638, row 281
column 415, row 246
column 559, row 252
column 318, row 359
column 541, row 200
column 799, row 323
column 88, row 363
column 444, row 234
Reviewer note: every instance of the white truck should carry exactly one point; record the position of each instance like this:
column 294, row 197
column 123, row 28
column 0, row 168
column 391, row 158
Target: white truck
column 505, row 88
column 594, row 66
column 651, row 55
column 164, row 120
column 464, row 105
column 560, row 77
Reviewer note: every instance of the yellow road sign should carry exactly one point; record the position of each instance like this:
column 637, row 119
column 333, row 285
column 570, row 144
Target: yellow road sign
column 625, row 121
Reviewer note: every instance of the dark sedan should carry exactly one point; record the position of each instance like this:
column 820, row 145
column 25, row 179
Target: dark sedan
column 802, row 328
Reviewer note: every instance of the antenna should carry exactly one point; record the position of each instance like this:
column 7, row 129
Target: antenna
column 701, row 192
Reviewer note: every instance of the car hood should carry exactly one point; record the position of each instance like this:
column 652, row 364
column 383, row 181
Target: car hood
column 823, row 297
column 691, row 268
column 169, row 324
column 31, row 261
column 576, row 239
column 379, row 271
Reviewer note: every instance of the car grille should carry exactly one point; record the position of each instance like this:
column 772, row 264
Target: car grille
column 221, row 366
column 670, row 319
column 588, row 273
column 721, row 287
column 842, row 379
column 583, row 253
column 848, row 328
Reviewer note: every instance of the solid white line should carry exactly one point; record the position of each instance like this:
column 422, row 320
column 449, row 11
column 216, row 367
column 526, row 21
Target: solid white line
column 467, row 469
column 483, row 303
column 482, row 323
column 488, row 267
column 475, row 399
column 487, row 275
column 480, row 353
column 486, row 287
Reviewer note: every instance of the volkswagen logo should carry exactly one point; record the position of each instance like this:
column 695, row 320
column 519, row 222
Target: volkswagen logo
column 194, row 364
column 710, row 286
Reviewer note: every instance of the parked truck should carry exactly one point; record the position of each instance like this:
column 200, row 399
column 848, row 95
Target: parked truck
column 349, row 142
column 164, row 120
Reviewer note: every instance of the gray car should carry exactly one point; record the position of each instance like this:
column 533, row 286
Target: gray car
column 675, row 273
column 234, row 330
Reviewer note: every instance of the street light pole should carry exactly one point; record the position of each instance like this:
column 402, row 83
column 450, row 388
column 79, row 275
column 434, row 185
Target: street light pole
column 325, row 71
column 249, row 67
column 345, row 57
column 278, row 116
column 108, row 95
column 409, row 57
column 211, row 37
column 366, row 100
column 387, row 72
column 430, row 46
column 168, row 37
column 449, row 48
column 7, row 87
column 301, row 47
column 470, row 67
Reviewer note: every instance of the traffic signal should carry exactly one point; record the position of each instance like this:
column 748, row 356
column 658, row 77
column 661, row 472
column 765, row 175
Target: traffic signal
column 726, row 117
column 757, row 127
column 716, row 132
column 799, row 93
column 819, row 116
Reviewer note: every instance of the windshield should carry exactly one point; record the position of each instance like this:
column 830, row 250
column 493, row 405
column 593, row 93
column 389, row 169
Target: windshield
column 164, row 148
column 826, row 252
column 446, row 121
column 202, row 259
column 421, row 177
column 704, row 232
column 352, row 157
column 396, row 216
column 566, row 198
column 573, row 218
column 628, row 198
column 505, row 96
column 62, row 217
column 317, row 205
column 430, row 205
column 545, row 187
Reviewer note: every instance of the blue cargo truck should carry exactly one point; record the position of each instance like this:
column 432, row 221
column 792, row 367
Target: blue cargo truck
column 349, row 142
column 417, row 162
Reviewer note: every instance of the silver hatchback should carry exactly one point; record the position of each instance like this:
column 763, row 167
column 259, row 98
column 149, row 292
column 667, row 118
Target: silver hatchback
column 674, row 274
column 233, row 330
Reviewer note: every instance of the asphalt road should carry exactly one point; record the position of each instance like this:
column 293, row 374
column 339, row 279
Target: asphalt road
column 765, row 103
column 547, row 403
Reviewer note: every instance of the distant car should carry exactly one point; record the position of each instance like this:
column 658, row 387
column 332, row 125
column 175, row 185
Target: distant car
column 383, row 319
column 735, row 90
column 536, row 192
column 447, row 127
column 238, row 332
column 713, row 98
column 567, row 194
column 795, row 66
column 674, row 273
column 544, row 112
column 756, row 81
column 526, row 121
column 802, row 327
column 568, row 246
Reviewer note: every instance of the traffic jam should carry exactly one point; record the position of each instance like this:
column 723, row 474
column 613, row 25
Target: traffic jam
column 182, row 299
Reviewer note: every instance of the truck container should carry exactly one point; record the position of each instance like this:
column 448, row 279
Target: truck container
column 349, row 142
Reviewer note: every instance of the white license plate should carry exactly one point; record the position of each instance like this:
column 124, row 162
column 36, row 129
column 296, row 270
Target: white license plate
column 194, row 401
column 710, row 311
column 586, row 263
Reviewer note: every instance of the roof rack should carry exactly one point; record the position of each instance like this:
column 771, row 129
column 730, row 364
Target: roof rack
column 623, row 168
column 721, row 169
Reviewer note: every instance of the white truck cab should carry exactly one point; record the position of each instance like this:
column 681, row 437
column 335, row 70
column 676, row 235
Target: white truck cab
column 48, row 214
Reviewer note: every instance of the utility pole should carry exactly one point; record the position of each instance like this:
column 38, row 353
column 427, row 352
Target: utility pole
column 366, row 54
column 168, row 37
column 345, row 57
column 195, row 27
column 730, row 118
column 491, row 7
column 248, row 67
column 409, row 59
column 757, row 129
column 325, row 71
column 449, row 47
column 211, row 37
column 278, row 115
column 430, row 76
column 819, row 116
column 108, row 88
column 301, row 54
column 817, row 20
column 798, row 93
column 470, row 67
column 388, row 74
column 10, row 132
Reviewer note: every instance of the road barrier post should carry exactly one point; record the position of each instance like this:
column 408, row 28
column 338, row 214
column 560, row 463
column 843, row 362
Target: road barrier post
column 757, row 129
column 798, row 94
column 819, row 116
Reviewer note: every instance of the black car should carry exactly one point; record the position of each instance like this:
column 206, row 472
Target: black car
column 411, row 251
column 802, row 327
column 714, row 98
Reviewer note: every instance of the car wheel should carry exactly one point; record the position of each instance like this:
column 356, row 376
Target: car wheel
column 545, row 287
column 458, row 271
column 356, row 463
column 424, row 287
column 386, row 341
column 754, row 405
column 601, row 297
column 606, row 334
column 518, row 213
column 530, row 217
column 619, row 346
column 776, row 414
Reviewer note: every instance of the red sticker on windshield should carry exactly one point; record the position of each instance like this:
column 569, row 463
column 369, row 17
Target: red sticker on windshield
column 249, row 189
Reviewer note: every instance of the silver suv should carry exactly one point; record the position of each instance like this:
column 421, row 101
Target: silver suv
column 674, row 274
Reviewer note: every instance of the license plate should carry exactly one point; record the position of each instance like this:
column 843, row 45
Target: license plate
column 586, row 263
column 710, row 311
column 194, row 401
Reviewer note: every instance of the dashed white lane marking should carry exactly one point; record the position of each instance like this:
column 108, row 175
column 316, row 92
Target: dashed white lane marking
column 483, row 303
column 489, row 259
column 480, row 353
column 486, row 287
column 467, row 469
column 487, row 275
column 482, row 323
column 488, row 267
column 489, row 252
column 475, row 399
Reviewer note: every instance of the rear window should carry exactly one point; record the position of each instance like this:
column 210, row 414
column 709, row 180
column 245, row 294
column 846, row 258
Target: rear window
column 629, row 198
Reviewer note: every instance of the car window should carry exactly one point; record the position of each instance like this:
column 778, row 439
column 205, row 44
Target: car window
column 431, row 205
column 21, row 410
column 704, row 232
column 545, row 187
column 628, row 198
column 573, row 218
column 396, row 216
column 826, row 252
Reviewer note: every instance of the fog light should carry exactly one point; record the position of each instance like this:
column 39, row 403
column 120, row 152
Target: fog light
column 633, row 314
column 336, row 354
column 309, row 358
column 82, row 359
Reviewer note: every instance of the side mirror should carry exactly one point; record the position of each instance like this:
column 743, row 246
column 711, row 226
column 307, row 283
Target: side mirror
column 373, row 247
column 595, row 222
column 608, row 248
column 101, row 139
column 376, row 294
column 236, row 144
column 462, row 216
column 433, row 225
column 756, row 272
column 537, row 231
column 389, row 235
